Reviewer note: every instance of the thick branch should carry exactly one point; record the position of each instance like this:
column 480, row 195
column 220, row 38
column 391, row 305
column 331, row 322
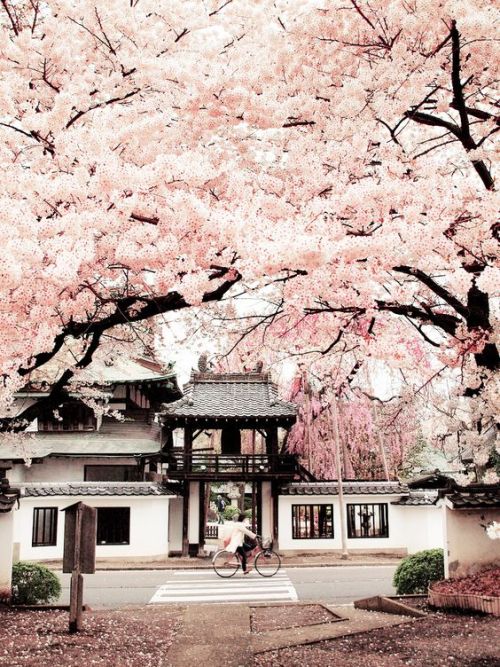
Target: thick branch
column 458, row 90
column 439, row 290
column 127, row 311
column 433, row 121
column 444, row 321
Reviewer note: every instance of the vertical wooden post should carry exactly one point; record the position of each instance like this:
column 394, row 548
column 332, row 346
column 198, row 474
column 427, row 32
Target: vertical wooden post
column 188, row 448
column 202, row 520
column 259, row 507
column 272, row 437
column 185, row 519
column 254, row 506
column 76, row 590
column 274, row 495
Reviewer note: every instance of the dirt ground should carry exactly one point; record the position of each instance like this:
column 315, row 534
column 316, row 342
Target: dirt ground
column 121, row 638
column 442, row 639
column 133, row 638
column 264, row 619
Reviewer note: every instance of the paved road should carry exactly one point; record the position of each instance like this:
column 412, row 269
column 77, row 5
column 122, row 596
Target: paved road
column 335, row 585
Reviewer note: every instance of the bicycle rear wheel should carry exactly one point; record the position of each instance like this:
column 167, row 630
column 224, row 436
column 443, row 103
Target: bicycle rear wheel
column 225, row 563
column 267, row 563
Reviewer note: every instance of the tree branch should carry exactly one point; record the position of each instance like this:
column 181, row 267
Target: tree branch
column 13, row 22
column 79, row 114
column 440, row 291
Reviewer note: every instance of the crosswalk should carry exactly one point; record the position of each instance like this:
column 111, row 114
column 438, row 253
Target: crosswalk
column 204, row 586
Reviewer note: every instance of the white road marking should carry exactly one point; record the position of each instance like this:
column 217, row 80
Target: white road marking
column 205, row 586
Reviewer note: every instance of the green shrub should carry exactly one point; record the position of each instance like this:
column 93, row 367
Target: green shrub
column 34, row 584
column 415, row 572
column 230, row 511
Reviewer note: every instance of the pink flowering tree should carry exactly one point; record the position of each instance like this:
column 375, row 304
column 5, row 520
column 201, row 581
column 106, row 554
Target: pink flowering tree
column 153, row 157
column 374, row 442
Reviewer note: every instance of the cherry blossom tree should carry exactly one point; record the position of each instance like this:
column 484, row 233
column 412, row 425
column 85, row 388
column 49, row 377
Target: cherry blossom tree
column 156, row 156
column 374, row 442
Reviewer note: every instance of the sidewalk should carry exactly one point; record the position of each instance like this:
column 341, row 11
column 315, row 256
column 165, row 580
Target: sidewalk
column 300, row 560
column 221, row 634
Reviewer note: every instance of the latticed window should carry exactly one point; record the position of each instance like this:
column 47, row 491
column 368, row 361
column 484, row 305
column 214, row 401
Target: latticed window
column 44, row 527
column 69, row 417
column 113, row 525
column 367, row 520
column 312, row 522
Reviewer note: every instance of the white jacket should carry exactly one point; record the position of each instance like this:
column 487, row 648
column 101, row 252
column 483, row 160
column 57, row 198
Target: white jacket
column 238, row 533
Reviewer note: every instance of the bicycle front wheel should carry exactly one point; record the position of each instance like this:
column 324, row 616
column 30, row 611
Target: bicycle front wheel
column 225, row 563
column 267, row 563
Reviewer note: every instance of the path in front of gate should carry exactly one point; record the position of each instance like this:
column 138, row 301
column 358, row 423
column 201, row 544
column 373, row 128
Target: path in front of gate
column 220, row 635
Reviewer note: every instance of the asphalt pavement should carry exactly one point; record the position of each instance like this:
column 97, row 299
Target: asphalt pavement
column 328, row 584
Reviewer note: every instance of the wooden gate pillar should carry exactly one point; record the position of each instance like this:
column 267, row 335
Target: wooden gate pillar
column 185, row 519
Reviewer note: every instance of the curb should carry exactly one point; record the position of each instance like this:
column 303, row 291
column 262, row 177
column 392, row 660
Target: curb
column 208, row 566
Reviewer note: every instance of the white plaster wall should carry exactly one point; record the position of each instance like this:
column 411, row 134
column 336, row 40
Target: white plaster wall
column 194, row 513
column 412, row 532
column 6, row 543
column 468, row 547
column 148, row 526
column 68, row 469
column 267, row 511
column 417, row 528
column 175, row 525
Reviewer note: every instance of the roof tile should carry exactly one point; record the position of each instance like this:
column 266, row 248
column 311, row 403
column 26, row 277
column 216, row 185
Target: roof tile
column 329, row 488
column 41, row 489
column 230, row 395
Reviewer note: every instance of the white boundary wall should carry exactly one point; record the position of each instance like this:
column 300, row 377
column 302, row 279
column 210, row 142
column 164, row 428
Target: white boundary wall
column 6, row 544
column 411, row 529
column 148, row 526
column 468, row 547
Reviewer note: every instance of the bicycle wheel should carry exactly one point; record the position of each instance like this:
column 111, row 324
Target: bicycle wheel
column 267, row 563
column 225, row 563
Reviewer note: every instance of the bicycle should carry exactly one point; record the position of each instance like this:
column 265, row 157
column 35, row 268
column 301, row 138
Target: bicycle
column 265, row 561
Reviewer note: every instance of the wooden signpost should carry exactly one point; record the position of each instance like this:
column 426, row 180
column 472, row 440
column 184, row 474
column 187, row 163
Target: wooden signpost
column 79, row 555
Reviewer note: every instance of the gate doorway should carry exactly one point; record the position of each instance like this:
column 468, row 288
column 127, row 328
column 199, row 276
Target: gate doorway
column 226, row 500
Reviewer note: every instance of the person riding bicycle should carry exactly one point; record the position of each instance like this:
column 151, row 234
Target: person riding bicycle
column 237, row 538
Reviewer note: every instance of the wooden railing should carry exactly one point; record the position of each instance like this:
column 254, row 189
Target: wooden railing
column 241, row 464
column 212, row 531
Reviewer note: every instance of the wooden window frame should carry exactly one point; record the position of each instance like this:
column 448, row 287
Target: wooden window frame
column 310, row 514
column 47, row 517
column 113, row 542
column 376, row 524
column 74, row 417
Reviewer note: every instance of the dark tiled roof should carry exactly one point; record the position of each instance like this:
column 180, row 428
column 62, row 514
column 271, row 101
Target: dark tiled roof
column 330, row 488
column 434, row 480
column 230, row 395
column 477, row 499
column 113, row 439
column 7, row 502
column 418, row 498
column 45, row 489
